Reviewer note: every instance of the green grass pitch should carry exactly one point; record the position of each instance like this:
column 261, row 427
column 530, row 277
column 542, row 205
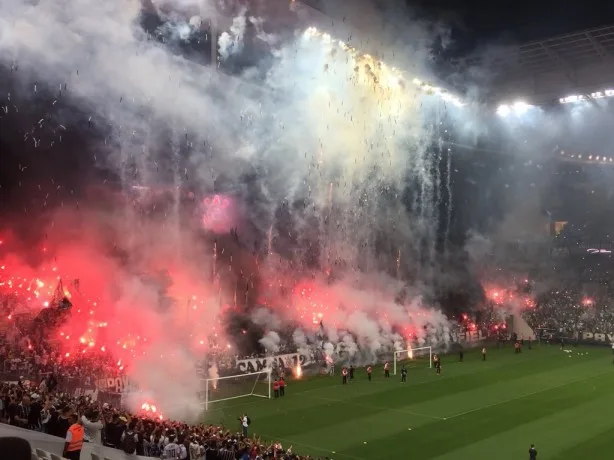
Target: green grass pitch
column 561, row 402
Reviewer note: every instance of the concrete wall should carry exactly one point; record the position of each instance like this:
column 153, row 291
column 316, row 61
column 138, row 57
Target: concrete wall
column 55, row 445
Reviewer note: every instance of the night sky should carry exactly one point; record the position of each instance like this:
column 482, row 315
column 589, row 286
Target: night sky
column 477, row 22
column 473, row 23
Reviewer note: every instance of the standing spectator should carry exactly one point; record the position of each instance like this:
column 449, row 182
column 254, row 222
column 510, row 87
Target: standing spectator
column 92, row 426
column 61, row 424
column 74, row 439
column 110, row 432
column 244, row 419
column 130, row 438
column 174, row 450
column 194, row 449
column 23, row 412
column 34, row 417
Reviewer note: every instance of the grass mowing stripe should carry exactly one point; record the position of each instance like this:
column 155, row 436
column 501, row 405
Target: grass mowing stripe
column 435, row 386
column 567, row 434
column 592, row 448
column 472, row 367
column 428, row 401
column 370, row 406
column 373, row 419
column 505, row 401
column 348, row 422
column 438, row 438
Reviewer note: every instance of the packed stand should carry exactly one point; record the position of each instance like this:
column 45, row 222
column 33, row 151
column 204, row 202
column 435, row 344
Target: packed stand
column 46, row 409
column 569, row 312
column 23, row 353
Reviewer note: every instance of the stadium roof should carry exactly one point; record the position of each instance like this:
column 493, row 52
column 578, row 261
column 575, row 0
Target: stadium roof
column 548, row 70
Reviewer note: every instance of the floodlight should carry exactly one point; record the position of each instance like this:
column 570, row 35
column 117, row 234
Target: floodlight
column 571, row 98
column 503, row 110
column 521, row 107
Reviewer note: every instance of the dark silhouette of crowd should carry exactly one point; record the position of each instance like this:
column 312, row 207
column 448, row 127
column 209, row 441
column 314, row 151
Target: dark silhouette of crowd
column 45, row 408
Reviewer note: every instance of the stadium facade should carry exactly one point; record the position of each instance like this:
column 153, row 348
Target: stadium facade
column 554, row 70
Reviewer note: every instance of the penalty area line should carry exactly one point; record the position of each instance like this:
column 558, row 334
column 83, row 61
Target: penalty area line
column 525, row 395
column 309, row 446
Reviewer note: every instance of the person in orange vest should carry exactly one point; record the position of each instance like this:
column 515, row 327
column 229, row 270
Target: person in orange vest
column 386, row 369
column 369, row 371
column 74, row 439
column 282, row 387
column 344, row 373
column 276, row 388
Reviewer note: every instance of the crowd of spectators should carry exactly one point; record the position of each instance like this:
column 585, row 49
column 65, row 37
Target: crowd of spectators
column 23, row 353
column 45, row 408
column 569, row 311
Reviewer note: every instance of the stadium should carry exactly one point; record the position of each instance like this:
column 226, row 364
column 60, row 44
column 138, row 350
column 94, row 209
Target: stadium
column 283, row 230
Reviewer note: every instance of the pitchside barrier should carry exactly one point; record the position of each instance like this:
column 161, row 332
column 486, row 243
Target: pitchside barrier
column 55, row 445
column 582, row 338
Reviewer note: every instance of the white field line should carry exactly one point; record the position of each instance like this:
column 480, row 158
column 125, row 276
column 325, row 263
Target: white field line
column 515, row 398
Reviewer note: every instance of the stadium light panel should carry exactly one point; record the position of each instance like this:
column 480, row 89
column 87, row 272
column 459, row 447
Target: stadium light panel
column 521, row 107
column 503, row 110
column 573, row 98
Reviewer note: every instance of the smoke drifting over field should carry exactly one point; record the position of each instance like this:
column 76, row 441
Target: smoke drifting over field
column 302, row 196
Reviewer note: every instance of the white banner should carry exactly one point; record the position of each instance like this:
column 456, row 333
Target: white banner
column 258, row 364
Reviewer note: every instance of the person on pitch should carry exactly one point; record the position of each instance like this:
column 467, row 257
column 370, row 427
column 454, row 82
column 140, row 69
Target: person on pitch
column 344, row 373
column 282, row 387
column 483, row 353
column 276, row 388
column 437, row 363
column 351, row 372
column 370, row 371
column 404, row 374
column 387, row 369
column 461, row 354
column 532, row 452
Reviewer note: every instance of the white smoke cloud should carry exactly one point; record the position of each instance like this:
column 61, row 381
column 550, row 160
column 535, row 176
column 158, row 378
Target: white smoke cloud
column 325, row 125
column 231, row 42
column 266, row 318
column 270, row 342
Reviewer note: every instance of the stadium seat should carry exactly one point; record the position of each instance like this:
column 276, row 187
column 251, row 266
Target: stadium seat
column 34, row 456
column 56, row 457
column 41, row 453
column 95, row 457
column 15, row 448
